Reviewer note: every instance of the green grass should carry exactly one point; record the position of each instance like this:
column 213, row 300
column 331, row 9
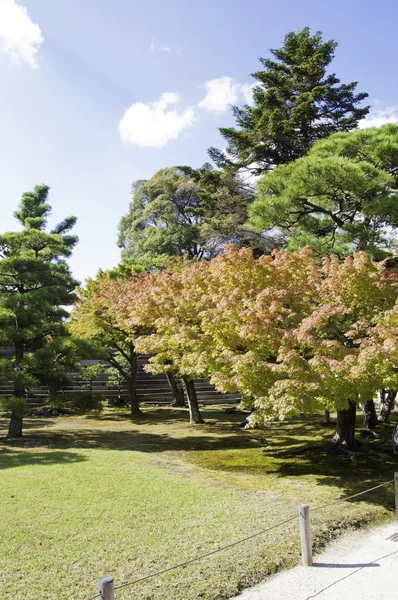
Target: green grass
column 81, row 497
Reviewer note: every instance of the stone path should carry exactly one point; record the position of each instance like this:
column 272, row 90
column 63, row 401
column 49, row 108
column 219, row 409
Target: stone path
column 361, row 565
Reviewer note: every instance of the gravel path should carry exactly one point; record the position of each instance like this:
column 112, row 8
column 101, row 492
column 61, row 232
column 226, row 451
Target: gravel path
column 361, row 565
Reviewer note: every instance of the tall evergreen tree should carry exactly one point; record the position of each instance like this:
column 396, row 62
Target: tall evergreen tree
column 35, row 287
column 295, row 104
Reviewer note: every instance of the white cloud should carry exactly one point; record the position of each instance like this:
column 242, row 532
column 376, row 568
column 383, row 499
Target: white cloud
column 380, row 116
column 225, row 91
column 154, row 124
column 220, row 94
column 19, row 36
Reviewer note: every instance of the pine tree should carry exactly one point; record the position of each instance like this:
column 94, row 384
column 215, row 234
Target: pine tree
column 295, row 104
column 340, row 198
column 35, row 287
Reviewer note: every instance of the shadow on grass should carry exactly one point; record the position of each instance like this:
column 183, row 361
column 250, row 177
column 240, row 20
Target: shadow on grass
column 162, row 415
column 29, row 423
column 221, row 446
column 135, row 440
column 351, row 474
column 19, row 458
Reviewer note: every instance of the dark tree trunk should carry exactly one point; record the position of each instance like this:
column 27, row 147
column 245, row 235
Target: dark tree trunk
column 16, row 421
column 15, row 426
column 134, row 404
column 327, row 417
column 345, row 428
column 176, row 392
column 194, row 413
column 387, row 404
column 369, row 415
column 131, row 381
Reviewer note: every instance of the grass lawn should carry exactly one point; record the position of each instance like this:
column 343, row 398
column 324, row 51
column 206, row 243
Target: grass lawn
column 82, row 497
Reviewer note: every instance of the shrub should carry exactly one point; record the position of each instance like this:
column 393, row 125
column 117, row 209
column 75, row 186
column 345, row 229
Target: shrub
column 78, row 401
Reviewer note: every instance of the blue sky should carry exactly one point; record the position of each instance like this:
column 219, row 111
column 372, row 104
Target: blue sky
column 95, row 94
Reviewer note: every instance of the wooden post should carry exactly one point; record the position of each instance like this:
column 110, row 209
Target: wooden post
column 105, row 588
column 305, row 534
column 396, row 491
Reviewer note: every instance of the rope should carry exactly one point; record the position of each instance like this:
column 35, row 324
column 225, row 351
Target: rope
column 249, row 537
column 353, row 496
column 191, row 560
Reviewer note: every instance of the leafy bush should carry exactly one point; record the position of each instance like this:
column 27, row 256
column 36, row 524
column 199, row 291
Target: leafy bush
column 77, row 402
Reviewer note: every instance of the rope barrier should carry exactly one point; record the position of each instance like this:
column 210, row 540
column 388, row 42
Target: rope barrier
column 353, row 496
column 249, row 537
column 191, row 560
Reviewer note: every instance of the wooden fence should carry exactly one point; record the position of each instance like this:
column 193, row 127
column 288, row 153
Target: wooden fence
column 151, row 389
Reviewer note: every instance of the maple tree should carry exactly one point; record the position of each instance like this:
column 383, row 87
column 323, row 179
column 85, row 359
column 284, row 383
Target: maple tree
column 95, row 318
column 328, row 355
column 289, row 335
column 167, row 305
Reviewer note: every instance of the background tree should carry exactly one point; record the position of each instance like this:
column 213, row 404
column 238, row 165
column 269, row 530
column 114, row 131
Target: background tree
column 163, row 220
column 341, row 197
column 99, row 318
column 226, row 197
column 296, row 103
column 89, row 374
column 116, row 379
column 183, row 211
column 35, row 286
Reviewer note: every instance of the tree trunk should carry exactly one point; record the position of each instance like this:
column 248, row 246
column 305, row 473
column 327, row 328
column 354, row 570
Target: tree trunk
column 387, row 404
column 15, row 427
column 369, row 415
column 176, row 392
column 194, row 413
column 131, row 381
column 16, row 421
column 327, row 417
column 345, row 428
column 134, row 404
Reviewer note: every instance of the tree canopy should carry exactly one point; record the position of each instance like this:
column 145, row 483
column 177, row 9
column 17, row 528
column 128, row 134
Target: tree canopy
column 96, row 319
column 289, row 335
column 295, row 103
column 341, row 197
